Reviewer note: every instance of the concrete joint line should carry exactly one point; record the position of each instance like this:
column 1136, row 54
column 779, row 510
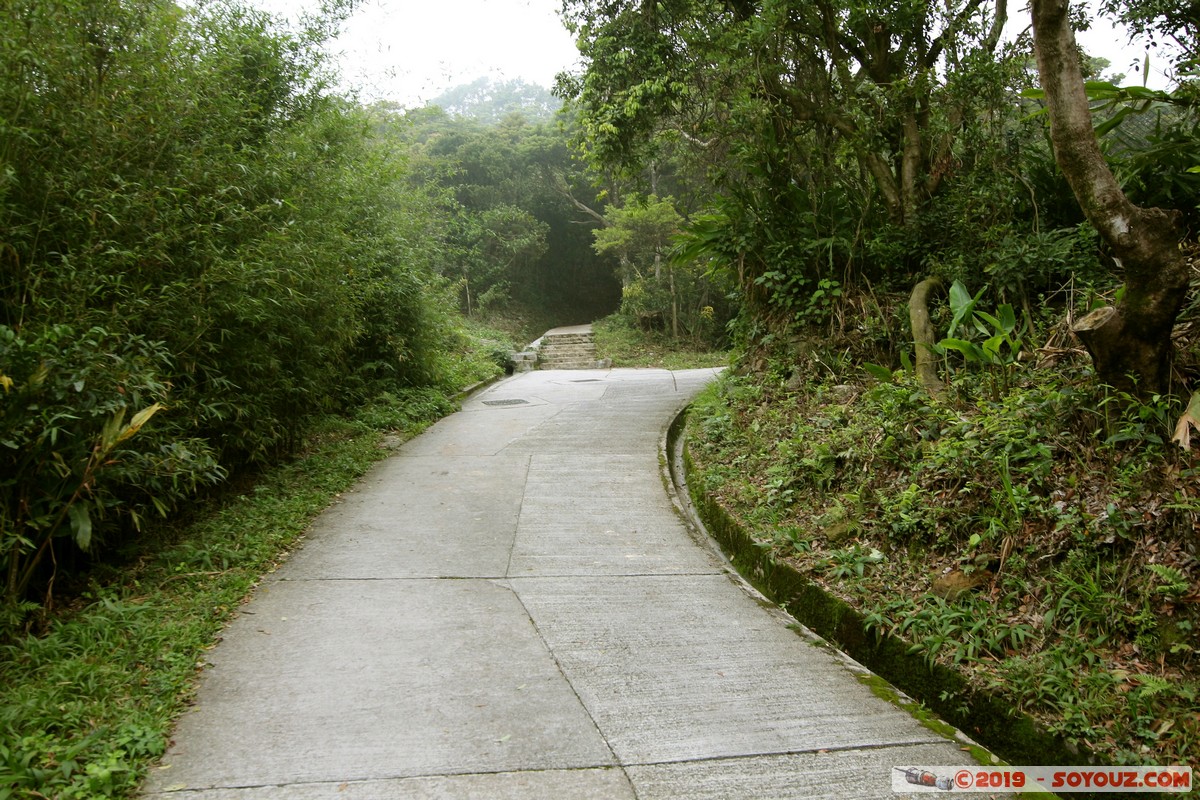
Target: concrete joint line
column 512, row 547
column 616, row 760
column 541, row 404
column 402, row 579
column 349, row 781
column 610, row 576
column 782, row 753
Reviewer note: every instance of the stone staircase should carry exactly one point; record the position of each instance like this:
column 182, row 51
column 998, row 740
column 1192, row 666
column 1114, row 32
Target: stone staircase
column 567, row 348
column 561, row 348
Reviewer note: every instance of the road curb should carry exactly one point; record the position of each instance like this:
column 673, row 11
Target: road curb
column 982, row 715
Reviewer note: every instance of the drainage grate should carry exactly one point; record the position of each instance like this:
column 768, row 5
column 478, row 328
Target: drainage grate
column 586, row 380
column 516, row 402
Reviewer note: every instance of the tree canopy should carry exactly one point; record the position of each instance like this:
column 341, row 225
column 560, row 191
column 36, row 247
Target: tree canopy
column 833, row 144
column 511, row 188
column 491, row 101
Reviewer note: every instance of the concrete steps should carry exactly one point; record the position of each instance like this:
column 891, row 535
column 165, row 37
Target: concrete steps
column 561, row 348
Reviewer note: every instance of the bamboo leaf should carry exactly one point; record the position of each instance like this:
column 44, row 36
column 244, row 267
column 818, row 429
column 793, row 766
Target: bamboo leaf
column 81, row 524
column 111, row 433
column 878, row 372
column 1142, row 93
column 1099, row 90
column 139, row 419
column 1112, row 122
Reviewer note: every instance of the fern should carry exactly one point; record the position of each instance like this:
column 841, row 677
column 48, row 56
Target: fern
column 1153, row 685
column 1174, row 582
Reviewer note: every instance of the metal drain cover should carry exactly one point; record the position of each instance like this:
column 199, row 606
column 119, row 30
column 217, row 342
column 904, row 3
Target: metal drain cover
column 515, row 402
column 586, row 380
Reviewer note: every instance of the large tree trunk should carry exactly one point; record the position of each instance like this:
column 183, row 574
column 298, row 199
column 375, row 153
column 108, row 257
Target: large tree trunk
column 1130, row 344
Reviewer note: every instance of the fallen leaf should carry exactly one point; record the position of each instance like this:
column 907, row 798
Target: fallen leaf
column 1189, row 420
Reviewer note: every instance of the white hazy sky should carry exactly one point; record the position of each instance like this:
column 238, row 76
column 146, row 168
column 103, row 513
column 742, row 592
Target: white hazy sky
column 410, row 51
column 1106, row 41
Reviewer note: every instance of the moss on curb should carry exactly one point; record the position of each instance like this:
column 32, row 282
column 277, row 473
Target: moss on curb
column 1013, row 735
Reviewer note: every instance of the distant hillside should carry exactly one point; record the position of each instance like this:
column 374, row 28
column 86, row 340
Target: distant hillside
column 491, row 101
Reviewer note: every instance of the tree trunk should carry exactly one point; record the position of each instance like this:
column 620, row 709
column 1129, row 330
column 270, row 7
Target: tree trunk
column 924, row 336
column 1130, row 344
column 911, row 166
column 674, row 305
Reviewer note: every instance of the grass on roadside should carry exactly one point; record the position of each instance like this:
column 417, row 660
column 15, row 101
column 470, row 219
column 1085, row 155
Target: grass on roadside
column 1037, row 540
column 627, row 346
column 88, row 703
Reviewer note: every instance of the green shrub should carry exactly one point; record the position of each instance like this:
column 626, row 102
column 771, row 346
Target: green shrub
column 79, row 452
column 190, row 227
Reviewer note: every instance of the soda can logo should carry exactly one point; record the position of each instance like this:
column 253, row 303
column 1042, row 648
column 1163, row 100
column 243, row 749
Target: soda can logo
column 1124, row 780
column 925, row 778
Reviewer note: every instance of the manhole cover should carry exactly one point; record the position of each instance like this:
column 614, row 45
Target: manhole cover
column 515, row 402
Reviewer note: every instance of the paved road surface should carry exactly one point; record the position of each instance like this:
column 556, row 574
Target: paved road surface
column 510, row 608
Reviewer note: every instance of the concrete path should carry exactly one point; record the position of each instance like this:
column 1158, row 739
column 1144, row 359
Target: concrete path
column 510, row 608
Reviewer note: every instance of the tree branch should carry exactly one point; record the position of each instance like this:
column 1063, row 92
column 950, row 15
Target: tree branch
column 560, row 185
column 999, row 20
column 939, row 43
column 1071, row 131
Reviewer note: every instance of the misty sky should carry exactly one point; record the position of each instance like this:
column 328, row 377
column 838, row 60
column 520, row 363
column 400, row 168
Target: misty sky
column 410, row 51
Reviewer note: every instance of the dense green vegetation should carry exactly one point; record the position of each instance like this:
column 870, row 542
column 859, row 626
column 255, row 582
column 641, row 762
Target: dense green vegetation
column 812, row 152
column 220, row 286
column 206, row 251
column 203, row 252
column 224, row 289
column 513, row 238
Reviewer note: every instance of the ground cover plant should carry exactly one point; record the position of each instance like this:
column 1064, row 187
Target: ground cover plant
column 619, row 339
column 89, row 697
column 1031, row 528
